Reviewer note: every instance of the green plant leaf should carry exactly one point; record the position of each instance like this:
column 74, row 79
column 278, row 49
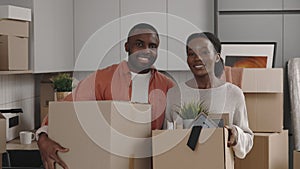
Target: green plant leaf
column 62, row 82
column 192, row 110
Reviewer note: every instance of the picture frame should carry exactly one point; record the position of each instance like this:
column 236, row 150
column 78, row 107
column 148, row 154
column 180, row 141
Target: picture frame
column 249, row 54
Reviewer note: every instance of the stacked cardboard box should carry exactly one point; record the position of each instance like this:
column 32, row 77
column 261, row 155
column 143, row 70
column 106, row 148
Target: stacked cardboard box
column 46, row 95
column 14, row 34
column 2, row 137
column 263, row 89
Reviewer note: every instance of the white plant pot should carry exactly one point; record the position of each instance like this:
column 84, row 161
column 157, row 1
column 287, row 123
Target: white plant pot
column 59, row 96
column 187, row 123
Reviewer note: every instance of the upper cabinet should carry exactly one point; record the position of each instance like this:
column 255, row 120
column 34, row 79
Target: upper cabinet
column 96, row 34
column 51, row 34
column 152, row 12
column 52, row 39
column 291, row 37
column 85, row 35
column 247, row 5
column 101, row 28
column 252, row 28
column 258, row 5
column 291, row 4
column 185, row 18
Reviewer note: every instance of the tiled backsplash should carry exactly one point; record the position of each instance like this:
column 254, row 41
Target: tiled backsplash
column 17, row 91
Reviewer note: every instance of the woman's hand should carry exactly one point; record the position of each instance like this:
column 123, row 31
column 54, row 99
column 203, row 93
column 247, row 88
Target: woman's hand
column 232, row 137
column 48, row 149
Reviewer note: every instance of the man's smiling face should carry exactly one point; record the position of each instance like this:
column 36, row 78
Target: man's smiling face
column 142, row 50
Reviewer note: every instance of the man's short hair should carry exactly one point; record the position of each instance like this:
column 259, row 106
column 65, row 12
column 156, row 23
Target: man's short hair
column 142, row 26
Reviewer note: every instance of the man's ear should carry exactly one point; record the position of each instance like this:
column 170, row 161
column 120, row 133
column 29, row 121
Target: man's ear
column 126, row 47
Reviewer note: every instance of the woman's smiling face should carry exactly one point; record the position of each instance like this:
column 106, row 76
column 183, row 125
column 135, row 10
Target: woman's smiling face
column 201, row 57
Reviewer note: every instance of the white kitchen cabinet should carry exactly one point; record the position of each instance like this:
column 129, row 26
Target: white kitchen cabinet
column 291, row 4
column 185, row 18
column 101, row 28
column 246, row 5
column 174, row 20
column 96, row 34
column 291, row 36
column 51, row 34
column 253, row 28
column 152, row 12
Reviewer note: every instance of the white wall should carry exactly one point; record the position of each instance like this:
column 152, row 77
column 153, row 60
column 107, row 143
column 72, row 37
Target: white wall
column 17, row 91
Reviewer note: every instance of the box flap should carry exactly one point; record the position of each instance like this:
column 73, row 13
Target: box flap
column 2, row 134
column 259, row 80
column 220, row 118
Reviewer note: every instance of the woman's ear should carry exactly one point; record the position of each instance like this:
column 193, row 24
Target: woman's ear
column 126, row 47
column 218, row 57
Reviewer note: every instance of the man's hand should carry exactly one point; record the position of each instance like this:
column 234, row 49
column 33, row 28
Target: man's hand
column 233, row 136
column 48, row 149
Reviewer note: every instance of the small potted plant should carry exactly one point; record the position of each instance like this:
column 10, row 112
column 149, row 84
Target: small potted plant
column 189, row 111
column 62, row 84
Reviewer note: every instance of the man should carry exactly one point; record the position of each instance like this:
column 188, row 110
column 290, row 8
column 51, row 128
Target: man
column 135, row 80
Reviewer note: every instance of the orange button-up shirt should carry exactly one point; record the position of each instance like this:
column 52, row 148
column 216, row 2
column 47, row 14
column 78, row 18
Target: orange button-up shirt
column 114, row 83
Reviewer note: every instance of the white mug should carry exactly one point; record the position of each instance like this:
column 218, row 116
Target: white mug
column 26, row 137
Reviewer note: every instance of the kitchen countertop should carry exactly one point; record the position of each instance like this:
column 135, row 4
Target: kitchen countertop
column 16, row 145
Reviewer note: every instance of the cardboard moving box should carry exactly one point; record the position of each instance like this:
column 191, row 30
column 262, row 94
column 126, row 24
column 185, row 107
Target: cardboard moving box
column 260, row 80
column 46, row 95
column 2, row 137
column 13, row 53
column 296, row 160
column 14, row 28
column 105, row 134
column 15, row 12
column 170, row 150
column 263, row 90
column 265, row 111
column 270, row 151
column 2, row 134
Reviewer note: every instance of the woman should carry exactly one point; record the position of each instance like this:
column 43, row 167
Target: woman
column 203, row 55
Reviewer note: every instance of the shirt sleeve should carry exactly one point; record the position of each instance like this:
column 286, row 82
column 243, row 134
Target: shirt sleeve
column 245, row 135
column 85, row 90
column 43, row 129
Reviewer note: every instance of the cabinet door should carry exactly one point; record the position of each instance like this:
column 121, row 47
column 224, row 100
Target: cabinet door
column 253, row 28
column 242, row 5
column 185, row 18
column 291, row 4
column 152, row 12
column 96, row 34
column 291, row 36
column 53, row 36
